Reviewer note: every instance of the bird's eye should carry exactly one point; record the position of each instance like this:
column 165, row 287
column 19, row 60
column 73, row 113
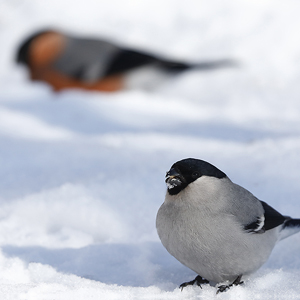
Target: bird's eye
column 195, row 174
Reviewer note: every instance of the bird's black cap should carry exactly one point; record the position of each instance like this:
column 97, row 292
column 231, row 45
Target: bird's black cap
column 185, row 171
column 23, row 50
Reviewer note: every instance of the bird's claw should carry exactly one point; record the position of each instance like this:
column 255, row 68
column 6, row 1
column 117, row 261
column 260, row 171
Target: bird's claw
column 224, row 288
column 198, row 280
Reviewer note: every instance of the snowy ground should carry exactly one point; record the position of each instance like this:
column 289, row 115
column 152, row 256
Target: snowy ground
column 82, row 174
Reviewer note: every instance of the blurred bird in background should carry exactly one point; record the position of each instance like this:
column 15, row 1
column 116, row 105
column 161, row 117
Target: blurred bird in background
column 65, row 61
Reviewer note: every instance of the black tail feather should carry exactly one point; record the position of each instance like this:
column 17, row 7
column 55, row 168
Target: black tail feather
column 127, row 60
column 292, row 223
column 290, row 227
column 204, row 66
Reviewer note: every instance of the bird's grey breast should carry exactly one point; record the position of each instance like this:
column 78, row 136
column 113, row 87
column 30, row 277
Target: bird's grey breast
column 198, row 229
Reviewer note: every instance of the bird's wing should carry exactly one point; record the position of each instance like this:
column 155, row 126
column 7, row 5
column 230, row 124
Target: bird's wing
column 272, row 217
column 268, row 220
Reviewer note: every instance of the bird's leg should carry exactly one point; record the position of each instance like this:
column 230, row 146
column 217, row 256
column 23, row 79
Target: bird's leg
column 223, row 288
column 198, row 280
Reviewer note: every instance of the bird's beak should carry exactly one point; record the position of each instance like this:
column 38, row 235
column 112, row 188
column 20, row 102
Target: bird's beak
column 172, row 173
column 173, row 178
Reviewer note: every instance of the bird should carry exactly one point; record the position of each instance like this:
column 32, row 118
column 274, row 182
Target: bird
column 215, row 227
column 67, row 61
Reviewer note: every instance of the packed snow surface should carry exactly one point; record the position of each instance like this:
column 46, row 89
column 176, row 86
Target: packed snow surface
column 82, row 174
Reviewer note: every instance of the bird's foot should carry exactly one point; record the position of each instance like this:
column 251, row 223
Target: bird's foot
column 198, row 280
column 223, row 288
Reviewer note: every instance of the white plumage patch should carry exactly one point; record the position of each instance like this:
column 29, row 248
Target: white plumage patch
column 261, row 223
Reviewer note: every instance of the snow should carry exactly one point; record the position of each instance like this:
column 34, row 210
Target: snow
column 82, row 174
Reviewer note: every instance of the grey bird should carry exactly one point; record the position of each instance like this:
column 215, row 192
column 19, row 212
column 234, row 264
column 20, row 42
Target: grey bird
column 216, row 227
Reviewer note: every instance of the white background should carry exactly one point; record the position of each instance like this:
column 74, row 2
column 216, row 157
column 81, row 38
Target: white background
column 82, row 174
